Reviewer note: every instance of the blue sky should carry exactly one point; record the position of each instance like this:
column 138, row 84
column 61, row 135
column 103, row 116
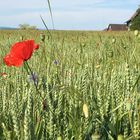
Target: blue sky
column 67, row 14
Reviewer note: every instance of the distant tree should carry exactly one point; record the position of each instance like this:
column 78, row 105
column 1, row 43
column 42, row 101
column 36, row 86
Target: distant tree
column 33, row 27
column 27, row 27
column 24, row 26
column 135, row 24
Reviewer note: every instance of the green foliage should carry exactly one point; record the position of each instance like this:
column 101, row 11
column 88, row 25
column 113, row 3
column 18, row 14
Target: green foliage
column 135, row 24
column 74, row 70
column 27, row 27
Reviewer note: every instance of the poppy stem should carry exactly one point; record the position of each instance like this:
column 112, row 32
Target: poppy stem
column 30, row 72
column 26, row 67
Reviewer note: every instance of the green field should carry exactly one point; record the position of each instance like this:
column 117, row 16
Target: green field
column 88, row 87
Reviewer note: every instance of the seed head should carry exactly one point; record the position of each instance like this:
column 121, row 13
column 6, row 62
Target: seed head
column 85, row 110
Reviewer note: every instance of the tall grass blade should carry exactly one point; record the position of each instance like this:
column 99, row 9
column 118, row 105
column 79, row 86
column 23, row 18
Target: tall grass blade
column 49, row 4
column 45, row 26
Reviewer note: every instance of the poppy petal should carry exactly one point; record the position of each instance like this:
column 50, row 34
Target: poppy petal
column 36, row 46
column 11, row 60
column 28, row 49
column 22, row 50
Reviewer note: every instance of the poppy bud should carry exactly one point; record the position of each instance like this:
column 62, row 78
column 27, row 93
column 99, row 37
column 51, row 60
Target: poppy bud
column 42, row 37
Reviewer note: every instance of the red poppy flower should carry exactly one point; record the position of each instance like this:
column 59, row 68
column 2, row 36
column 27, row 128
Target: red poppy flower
column 20, row 52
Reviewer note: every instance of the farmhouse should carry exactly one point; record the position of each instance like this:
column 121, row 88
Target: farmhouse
column 123, row 27
column 137, row 13
column 117, row 27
